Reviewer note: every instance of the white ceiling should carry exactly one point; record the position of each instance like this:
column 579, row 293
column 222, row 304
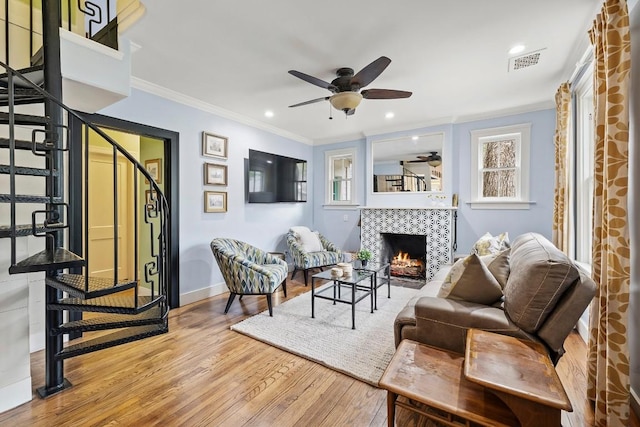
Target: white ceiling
column 453, row 56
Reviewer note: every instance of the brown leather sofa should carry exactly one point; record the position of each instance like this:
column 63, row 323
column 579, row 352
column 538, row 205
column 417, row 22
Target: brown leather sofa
column 544, row 296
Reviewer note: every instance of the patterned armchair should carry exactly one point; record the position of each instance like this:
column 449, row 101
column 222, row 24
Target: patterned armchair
column 248, row 270
column 310, row 252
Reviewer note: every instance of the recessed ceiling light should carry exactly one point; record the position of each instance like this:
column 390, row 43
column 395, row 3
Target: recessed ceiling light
column 414, row 138
column 268, row 113
column 389, row 115
column 516, row 49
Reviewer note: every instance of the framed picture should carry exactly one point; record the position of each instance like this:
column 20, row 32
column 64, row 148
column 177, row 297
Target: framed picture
column 214, row 145
column 215, row 201
column 154, row 167
column 215, row 174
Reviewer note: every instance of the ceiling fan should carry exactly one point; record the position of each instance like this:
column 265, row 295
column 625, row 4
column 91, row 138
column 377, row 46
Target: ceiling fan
column 434, row 159
column 346, row 87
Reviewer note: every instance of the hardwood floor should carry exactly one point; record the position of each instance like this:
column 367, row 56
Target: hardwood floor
column 203, row 374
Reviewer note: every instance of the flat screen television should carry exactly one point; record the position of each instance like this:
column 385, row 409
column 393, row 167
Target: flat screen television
column 272, row 178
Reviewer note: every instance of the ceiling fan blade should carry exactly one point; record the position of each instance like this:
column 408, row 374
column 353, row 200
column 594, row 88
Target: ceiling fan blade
column 313, row 80
column 313, row 101
column 370, row 72
column 385, row 94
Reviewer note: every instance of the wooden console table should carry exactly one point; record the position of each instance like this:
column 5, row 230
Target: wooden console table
column 520, row 373
column 434, row 378
column 501, row 381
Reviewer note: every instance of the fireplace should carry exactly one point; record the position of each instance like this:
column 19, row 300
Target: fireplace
column 406, row 253
column 435, row 223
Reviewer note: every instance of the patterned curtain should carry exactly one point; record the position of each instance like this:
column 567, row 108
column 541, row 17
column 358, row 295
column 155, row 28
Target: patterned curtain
column 608, row 364
column 561, row 193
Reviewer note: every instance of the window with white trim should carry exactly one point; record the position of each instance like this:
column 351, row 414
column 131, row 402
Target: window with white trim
column 584, row 158
column 500, row 167
column 340, row 173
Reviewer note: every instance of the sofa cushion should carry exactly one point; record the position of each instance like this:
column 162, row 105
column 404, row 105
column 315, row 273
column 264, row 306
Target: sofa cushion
column 488, row 244
column 470, row 280
column 540, row 273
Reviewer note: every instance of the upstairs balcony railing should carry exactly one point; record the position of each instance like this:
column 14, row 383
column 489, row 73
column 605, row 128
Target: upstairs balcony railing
column 96, row 20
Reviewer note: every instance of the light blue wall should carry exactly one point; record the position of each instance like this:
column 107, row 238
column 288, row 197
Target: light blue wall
column 331, row 222
column 456, row 167
column 262, row 225
column 473, row 223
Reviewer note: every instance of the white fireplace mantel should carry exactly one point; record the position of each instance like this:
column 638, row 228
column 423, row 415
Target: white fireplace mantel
column 434, row 222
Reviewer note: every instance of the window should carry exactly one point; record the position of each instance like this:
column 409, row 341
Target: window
column 340, row 172
column 584, row 156
column 500, row 167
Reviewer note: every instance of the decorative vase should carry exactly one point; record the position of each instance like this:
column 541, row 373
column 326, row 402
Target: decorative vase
column 363, row 262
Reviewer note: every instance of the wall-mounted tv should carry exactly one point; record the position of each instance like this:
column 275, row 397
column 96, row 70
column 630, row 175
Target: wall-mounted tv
column 273, row 179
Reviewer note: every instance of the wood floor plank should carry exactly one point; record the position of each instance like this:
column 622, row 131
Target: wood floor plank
column 201, row 373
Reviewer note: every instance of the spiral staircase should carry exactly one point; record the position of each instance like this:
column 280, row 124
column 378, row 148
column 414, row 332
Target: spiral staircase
column 35, row 147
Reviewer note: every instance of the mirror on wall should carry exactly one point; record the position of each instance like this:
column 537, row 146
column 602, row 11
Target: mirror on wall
column 408, row 164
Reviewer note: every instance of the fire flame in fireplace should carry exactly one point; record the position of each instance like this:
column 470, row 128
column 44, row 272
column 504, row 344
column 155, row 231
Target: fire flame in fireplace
column 403, row 260
column 403, row 265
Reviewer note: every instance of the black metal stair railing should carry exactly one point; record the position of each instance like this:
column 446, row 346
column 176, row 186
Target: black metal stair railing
column 135, row 317
column 155, row 209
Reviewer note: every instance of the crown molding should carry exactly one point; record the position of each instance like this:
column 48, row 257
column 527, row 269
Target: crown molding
column 189, row 101
column 443, row 121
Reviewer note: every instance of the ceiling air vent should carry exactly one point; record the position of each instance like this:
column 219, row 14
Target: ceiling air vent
column 524, row 61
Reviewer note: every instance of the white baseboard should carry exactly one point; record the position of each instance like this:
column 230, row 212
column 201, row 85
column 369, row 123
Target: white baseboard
column 200, row 294
column 583, row 330
column 15, row 394
column 37, row 341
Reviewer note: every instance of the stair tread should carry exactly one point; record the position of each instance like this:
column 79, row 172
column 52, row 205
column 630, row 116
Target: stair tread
column 48, row 260
column 74, row 284
column 24, row 145
column 27, row 198
column 123, row 336
column 113, row 321
column 22, row 230
column 108, row 301
column 21, row 170
column 108, row 304
column 34, row 73
column 24, row 119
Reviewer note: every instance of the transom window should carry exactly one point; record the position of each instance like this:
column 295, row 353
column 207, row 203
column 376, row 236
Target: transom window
column 500, row 167
column 340, row 171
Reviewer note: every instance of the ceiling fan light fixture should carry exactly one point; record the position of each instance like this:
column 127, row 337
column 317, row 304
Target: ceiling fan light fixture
column 434, row 160
column 345, row 101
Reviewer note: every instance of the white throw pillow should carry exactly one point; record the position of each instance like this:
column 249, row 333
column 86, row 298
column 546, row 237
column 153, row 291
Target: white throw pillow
column 309, row 240
column 488, row 244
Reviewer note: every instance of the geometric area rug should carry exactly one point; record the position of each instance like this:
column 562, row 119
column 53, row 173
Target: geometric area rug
column 362, row 353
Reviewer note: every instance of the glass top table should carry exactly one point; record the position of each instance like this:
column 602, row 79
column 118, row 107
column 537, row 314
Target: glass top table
column 381, row 276
column 355, row 285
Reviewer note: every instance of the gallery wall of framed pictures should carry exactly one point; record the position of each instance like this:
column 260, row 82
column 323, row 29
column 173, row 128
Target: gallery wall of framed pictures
column 215, row 174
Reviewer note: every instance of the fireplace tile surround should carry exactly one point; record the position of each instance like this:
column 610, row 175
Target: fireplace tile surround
column 435, row 223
